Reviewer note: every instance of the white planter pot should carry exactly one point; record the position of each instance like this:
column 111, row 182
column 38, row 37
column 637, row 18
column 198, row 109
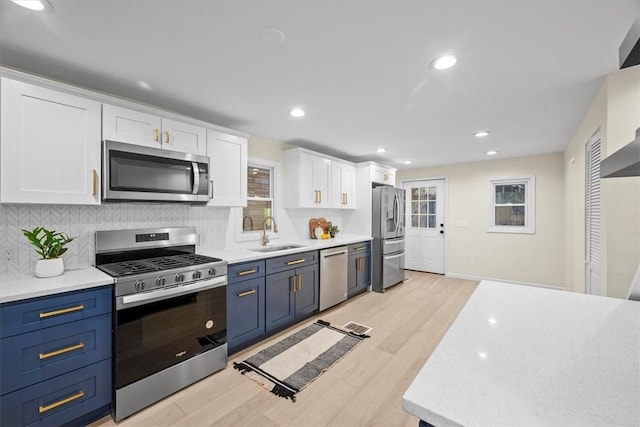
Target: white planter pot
column 49, row 267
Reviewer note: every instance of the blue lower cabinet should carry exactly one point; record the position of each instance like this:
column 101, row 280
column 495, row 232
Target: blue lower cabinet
column 59, row 400
column 359, row 269
column 291, row 296
column 39, row 355
column 245, row 312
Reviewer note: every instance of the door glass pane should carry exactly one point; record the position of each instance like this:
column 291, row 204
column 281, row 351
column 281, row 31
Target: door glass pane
column 432, row 207
column 415, row 221
column 423, row 207
column 415, row 193
column 423, row 193
column 432, row 193
column 423, row 221
column 415, row 207
column 432, row 221
column 510, row 215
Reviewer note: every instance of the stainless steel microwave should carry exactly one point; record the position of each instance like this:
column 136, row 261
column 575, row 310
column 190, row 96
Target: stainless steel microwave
column 134, row 173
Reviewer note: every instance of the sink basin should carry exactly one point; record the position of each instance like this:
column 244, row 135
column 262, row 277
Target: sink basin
column 276, row 248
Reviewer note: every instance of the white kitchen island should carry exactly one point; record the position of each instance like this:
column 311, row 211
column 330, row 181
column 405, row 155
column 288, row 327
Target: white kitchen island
column 526, row 356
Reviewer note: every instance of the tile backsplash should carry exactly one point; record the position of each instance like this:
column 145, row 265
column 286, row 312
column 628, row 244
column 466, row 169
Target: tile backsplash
column 214, row 225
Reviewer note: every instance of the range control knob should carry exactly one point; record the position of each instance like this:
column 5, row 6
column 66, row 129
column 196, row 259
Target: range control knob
column 212, row 271
column 139, row 285
column 196, row 275
column 179, row 277
column 160, row 281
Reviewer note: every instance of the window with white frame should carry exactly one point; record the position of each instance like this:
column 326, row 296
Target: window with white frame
column 511, row 205
column 261, row 196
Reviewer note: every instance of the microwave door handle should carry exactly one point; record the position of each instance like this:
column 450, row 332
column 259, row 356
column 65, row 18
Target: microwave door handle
column 196, row 177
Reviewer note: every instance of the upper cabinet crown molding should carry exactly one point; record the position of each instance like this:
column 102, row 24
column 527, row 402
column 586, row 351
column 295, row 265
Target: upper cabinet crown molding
column 380, row 174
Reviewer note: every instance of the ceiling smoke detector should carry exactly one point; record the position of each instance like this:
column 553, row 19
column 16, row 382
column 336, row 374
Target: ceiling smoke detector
column 272, row 35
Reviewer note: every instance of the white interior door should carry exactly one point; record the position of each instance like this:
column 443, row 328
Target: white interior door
column 592, row 210
column 425, row 227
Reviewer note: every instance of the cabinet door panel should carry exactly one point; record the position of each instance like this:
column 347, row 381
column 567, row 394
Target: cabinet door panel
column 245, row 311
column 129, row 126
column 50, row 150
column 279, row 298
column 307, row 296
column 228, row 174
column 184, row 137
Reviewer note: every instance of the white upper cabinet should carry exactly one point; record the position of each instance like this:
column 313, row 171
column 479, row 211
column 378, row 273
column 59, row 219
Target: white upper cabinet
column 228, row 169
column 140, row 128
column 50, row 146
column 307, row 179
column 343, row 184
column 383, row 174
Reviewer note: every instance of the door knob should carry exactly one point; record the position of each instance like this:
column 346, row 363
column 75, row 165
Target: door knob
column 441, row 231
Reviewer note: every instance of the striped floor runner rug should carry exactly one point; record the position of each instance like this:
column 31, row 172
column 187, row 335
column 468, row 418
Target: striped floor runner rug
column 292, row 363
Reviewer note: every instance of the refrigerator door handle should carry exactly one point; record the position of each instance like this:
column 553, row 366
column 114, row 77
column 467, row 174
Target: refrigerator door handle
column 398, row 210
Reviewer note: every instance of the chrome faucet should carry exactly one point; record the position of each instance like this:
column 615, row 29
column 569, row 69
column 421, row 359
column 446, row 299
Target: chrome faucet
column 265, row 238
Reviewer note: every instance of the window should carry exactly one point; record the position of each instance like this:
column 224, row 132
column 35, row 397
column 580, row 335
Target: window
column 261, row 197
column 511, row 205
column 423, row 207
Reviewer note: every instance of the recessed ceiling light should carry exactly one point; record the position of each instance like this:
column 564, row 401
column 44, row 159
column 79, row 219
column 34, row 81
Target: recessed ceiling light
column 297, row 112
column 33, row 4
column 407, row 162
column 444, row 62
column 144, row 85
column 481, row 133
column 381, row 150
column 492, row 153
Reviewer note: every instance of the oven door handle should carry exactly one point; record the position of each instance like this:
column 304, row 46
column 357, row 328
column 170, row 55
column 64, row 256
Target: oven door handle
column 133, row 300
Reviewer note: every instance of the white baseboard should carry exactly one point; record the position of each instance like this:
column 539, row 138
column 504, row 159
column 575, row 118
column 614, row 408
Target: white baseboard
column 480, row 278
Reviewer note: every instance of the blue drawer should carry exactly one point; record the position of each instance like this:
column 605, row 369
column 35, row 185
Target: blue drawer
column 245, row 271
column 60, row 399
column 287, row 262
column 27, row 316
column 40, row 355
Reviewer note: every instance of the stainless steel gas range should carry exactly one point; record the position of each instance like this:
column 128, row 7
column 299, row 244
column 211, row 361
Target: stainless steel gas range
column 170, row 320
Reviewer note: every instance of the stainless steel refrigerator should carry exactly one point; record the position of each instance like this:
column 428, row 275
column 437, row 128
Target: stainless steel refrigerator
column 388, row 237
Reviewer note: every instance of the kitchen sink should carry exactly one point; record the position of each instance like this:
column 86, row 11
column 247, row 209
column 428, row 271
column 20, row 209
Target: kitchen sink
column 277, row 248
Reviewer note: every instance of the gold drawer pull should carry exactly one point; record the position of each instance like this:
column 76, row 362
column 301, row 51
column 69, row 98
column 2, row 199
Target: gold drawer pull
column 61, row 351
column 361, row 248
column 63, row 311
column 46, row 408
column 298, row 261
column 246, row 293
column 244, row 273
column 95, row 182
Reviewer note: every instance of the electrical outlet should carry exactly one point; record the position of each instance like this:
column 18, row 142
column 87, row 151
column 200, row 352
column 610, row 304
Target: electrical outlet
column 9, row 254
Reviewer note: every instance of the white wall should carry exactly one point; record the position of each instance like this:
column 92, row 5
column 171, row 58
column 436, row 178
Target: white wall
column 472, row 251
column 616, row 112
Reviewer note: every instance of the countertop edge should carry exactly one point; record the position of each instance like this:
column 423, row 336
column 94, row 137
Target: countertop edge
column 18, row 288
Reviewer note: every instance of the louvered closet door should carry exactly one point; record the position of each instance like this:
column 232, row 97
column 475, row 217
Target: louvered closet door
column 593, row 217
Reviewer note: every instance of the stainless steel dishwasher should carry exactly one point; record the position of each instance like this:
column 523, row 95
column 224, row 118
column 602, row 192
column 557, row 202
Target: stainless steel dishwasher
column 333, row 276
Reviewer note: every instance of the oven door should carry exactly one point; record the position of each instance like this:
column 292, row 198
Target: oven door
column 158, row 329
column 136, row 173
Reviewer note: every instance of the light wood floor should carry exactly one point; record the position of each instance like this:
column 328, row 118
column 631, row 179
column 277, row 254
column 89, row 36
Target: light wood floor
column 363, row 389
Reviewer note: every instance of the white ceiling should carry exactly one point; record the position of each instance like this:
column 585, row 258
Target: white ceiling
column 527, row 70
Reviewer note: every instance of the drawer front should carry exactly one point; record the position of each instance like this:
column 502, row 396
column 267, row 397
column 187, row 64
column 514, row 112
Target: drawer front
column 43, row 354
column 245, row 271
column 359, row 248
column 27, row 316
column 60, row 399
column 245, row 311
column 288, row 262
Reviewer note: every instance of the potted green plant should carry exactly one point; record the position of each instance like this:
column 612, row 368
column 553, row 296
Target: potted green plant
column 50, row 245
column 333, row 230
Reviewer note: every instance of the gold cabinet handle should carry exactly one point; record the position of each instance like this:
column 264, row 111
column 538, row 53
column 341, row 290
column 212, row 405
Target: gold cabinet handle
column 294, row 282
column 156, row 134
column 298, row 261
column 168, row 136
column 244, row 273
column 95, row 182
column 361, row 248
column 46, row 408
column 320, row 196
column 246, row 293
column 299, row 282
column 61, row 351
column 62, row 311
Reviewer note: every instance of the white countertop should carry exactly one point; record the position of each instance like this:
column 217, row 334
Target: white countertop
column 521, row 355
column 24, row 287
column 236, row 255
